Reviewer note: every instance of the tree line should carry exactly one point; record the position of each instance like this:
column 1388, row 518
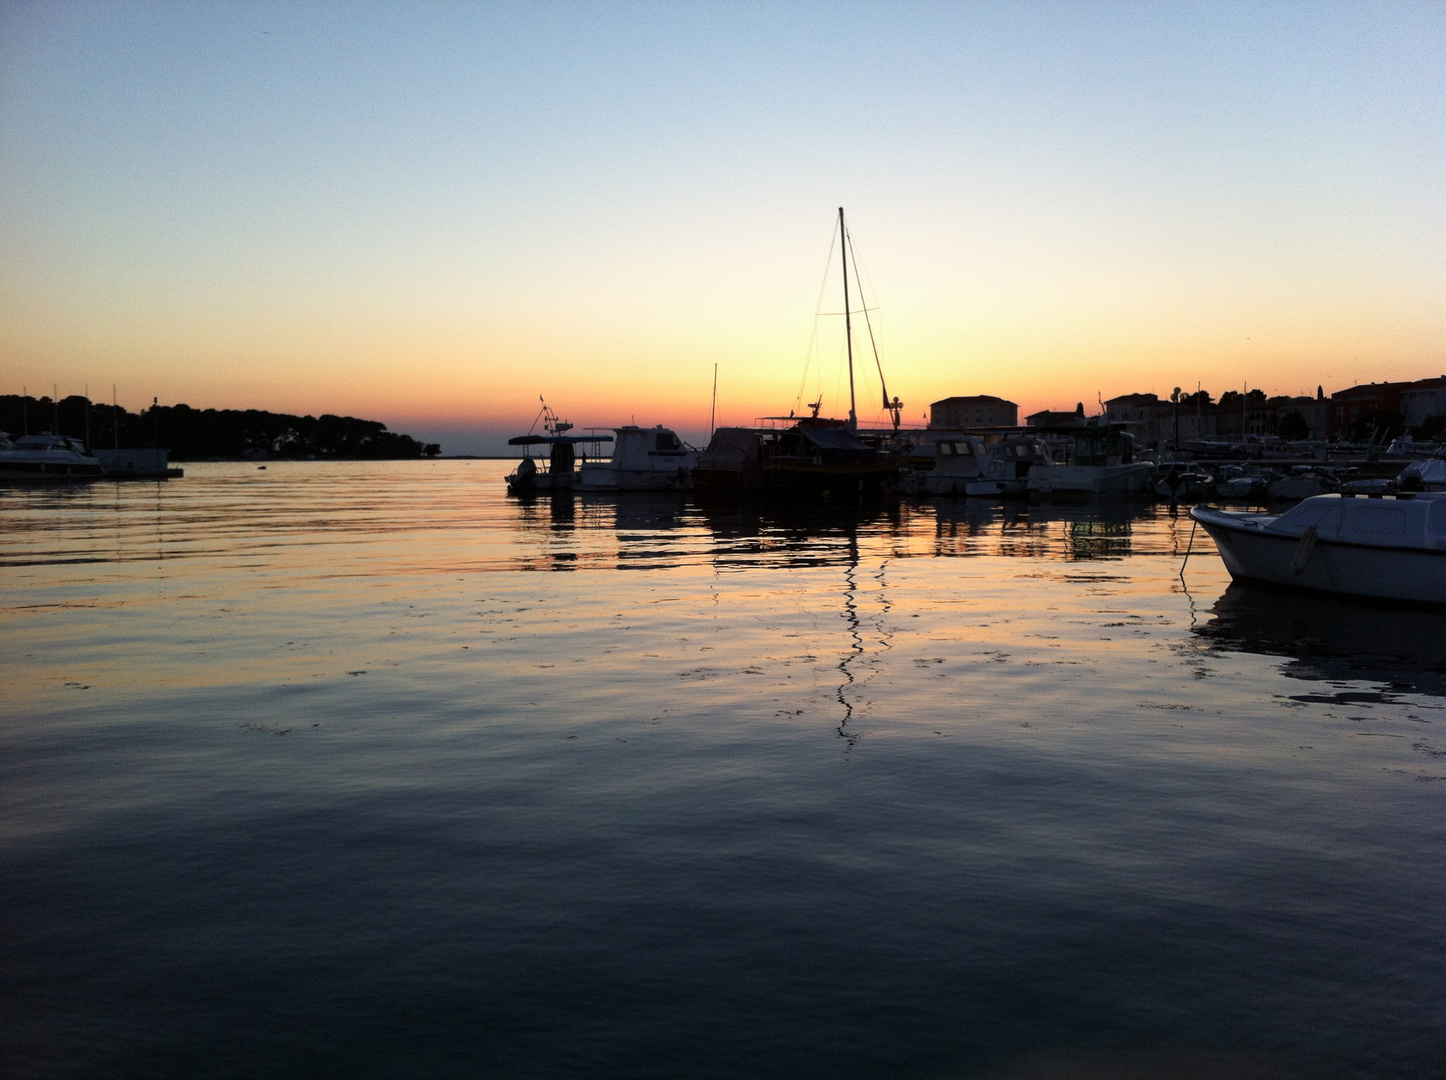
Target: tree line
column 192, row 434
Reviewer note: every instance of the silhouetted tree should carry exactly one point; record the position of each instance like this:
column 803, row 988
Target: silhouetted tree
column 210, row 433
column 1433, row 427
column 1293, row 426
column 1378, row 425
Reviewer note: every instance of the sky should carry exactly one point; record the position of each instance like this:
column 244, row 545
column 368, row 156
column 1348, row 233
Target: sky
column 431, row 214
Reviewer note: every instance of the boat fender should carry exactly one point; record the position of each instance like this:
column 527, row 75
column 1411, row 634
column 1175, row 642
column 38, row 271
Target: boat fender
column 1303, row 550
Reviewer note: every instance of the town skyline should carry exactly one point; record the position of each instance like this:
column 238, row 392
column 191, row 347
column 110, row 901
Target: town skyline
column 1400, row 405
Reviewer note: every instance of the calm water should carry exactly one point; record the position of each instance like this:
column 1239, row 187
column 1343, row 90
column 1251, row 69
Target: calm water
column 365, row 770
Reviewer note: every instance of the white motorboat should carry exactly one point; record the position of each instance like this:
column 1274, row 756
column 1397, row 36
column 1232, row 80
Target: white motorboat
column 643, row 459
column 969, row 465
column 1407, row 447
column 1237, row 483
column 49, row 459
column 1383, row 547
column 1177, row 484
column 1099, row 460
column 1303, row 482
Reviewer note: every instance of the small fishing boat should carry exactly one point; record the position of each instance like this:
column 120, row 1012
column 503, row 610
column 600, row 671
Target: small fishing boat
column 1235, row 482
column 561, row 473
column 1381, row 547
column 643, row 459
column 1178, row 485
column 1303, row 482
column 49, row 459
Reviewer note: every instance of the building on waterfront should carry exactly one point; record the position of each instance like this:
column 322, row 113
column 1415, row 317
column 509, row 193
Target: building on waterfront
column 1153, row 421
column 1141, row 413
column 975, row 410
column 1422, row 400
column 1254, row 415
column 1054, row 418
column 1366, row 399
column 1271, row 417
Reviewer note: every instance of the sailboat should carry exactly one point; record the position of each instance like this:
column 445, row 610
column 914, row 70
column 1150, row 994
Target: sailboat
column 815, row 454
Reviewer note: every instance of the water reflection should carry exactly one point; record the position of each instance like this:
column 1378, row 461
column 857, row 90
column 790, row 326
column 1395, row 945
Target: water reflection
column 855, row 648
column 1072, row 531
column 634, row 531
column 1331, row 639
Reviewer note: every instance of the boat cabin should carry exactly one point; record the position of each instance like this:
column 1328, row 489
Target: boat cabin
column 1404, row 520
column 640, row 448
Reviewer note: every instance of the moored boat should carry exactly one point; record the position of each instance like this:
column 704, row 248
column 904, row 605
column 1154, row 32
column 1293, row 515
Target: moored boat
column 1426, row 474
column 1099, row 460
column 1235, row 482
column 49, row 459
column 1177, row 484
column 643, row 459
column 732, row 461
column 1303, row 482
column 966, row 464
column 561, row 473
column 1381, row 547
column 813, row 456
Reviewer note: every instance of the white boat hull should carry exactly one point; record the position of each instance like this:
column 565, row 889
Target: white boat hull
column 601, row 477
column 50, row 473
column 541, row 483
column 1376, row 571
column 48, row 459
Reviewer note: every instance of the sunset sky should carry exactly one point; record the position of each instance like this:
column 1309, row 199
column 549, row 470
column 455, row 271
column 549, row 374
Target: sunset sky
column 431, row 214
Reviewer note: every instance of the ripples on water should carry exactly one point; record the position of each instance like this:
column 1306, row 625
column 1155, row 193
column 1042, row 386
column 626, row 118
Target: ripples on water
column 324, row 770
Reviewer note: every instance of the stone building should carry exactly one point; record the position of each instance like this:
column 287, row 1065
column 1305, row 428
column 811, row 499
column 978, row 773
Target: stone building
column 1349, row 405
column 976, row 410
column 1422, row 400
column 1153, row 421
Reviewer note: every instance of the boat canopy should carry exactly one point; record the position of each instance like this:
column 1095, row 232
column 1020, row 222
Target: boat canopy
column 835, row 438
column 553, row 440
column 732, row 449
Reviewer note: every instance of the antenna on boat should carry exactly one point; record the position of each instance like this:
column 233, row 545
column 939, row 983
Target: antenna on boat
column 848, row 324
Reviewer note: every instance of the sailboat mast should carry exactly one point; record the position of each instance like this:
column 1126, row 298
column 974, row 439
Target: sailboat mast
column 843, row 242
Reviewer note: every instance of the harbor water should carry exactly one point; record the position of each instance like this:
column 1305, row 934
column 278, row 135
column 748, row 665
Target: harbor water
column 365, row 769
